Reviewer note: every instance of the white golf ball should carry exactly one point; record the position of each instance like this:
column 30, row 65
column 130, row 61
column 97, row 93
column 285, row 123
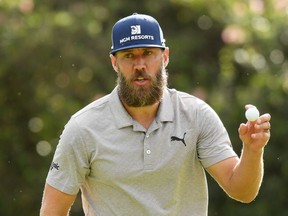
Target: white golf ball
column 252, row 114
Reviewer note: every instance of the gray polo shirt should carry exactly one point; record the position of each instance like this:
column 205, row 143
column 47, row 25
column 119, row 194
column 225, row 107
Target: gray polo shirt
column 125, row 170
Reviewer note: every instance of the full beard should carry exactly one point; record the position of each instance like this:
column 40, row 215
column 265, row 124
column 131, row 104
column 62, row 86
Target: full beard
column 140, row 96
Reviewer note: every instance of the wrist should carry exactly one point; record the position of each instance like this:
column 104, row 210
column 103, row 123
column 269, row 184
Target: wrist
column 250, row 149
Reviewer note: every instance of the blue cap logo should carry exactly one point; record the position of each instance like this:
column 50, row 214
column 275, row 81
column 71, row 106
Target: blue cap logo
column 137, row 30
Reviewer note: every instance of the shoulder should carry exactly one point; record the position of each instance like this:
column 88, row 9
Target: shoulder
column 90, row 115
column 186, row 100
column 97, row 105
column 193, row 107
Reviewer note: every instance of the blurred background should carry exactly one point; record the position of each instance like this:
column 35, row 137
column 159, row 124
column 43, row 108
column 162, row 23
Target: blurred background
column 54, row 59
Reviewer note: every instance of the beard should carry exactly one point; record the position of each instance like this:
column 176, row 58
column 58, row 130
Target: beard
column 140, row 96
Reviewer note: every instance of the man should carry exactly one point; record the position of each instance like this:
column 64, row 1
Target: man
column 144, row 148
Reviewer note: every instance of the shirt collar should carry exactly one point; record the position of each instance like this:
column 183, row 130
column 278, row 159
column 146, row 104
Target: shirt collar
column 166, row 111
column 122, row 117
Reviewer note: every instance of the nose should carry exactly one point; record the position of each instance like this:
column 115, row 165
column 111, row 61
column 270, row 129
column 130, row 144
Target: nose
column 139, row 63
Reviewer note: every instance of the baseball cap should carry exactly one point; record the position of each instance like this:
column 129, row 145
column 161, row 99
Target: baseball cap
column 136, row 30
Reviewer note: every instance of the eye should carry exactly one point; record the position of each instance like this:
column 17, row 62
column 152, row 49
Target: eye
column 148, row 52
column 128, row 55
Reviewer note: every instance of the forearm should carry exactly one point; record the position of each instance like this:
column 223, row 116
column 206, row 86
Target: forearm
column 247, row 176
column 241, row 178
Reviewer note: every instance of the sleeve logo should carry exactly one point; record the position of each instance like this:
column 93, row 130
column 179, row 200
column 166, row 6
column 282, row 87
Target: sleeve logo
column 54, row 166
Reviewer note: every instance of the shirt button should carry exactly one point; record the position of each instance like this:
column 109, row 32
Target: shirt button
column 147, row 135
column 148, row 151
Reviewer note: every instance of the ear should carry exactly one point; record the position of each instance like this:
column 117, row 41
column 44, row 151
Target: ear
column 114, row 62
column 166, row 56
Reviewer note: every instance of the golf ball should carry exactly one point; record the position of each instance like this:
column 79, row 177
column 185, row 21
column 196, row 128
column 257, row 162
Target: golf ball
column 252, row 114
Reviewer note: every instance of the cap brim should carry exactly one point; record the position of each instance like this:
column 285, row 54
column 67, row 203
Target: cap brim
column 136, row 46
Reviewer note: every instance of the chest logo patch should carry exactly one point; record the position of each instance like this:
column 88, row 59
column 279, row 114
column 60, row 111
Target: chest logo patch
column 175, row 138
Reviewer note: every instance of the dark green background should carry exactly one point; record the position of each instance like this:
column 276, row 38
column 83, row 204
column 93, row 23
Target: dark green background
column 54, row 59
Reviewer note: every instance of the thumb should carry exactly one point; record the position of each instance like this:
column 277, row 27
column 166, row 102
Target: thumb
column 242, row 130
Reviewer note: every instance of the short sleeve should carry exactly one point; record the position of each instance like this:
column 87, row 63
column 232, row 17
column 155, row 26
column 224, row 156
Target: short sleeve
column 70, row 163
column 214, row 144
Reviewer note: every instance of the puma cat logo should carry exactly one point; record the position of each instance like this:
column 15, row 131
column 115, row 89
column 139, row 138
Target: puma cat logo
column 174, row 138
column 54, row 165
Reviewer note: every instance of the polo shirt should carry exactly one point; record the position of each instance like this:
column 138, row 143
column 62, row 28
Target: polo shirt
column 124, row 169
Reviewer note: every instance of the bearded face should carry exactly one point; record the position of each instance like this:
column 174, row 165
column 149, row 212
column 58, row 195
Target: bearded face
column 142, row 95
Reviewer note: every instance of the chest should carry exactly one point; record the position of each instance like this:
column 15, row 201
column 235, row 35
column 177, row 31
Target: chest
column 133, row 154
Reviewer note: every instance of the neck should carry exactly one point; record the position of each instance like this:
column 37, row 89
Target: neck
column 143, row 115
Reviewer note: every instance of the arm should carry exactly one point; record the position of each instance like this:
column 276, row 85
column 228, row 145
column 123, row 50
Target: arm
column 55, row 202
column 242, row 178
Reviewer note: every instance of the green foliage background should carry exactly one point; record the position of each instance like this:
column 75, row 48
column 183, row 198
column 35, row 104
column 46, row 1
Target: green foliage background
column 54, row 59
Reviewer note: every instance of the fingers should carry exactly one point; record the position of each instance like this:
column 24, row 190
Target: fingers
column 255, row 134
column 264, row 118
column 247, row 106
column 261, row 135
column 262, row 127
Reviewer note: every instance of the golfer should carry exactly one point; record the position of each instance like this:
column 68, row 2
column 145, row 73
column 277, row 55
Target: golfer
column 145, row 149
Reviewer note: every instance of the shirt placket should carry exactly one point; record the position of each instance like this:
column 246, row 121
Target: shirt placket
column 149, row 142
column 148, row 154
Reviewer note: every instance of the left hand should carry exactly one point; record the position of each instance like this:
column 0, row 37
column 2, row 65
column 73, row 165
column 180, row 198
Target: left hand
column 255, row 135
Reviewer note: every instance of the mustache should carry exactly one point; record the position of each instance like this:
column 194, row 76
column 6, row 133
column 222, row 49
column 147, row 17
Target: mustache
column 140, row 73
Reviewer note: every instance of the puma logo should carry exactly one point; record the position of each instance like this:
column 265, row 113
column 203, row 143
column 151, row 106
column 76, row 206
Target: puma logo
column 174, row 138
column 54, row 165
